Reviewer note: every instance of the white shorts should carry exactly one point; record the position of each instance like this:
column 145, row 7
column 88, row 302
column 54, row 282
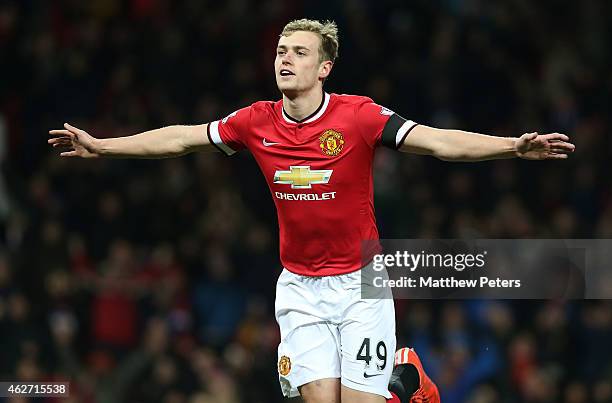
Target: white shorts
column 328, row 331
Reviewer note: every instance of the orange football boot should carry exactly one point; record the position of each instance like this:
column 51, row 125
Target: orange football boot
column 409, row 381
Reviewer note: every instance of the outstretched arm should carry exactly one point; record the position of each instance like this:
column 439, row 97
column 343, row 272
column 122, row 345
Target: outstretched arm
column 458, row 145
column 169, row 141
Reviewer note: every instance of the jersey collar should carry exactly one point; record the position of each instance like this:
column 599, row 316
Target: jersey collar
column 313, row 116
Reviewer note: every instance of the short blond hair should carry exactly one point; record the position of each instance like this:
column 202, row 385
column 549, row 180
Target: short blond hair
column 327, row 31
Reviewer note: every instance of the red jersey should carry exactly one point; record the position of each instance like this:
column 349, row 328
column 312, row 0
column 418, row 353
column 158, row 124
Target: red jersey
column 319, row 171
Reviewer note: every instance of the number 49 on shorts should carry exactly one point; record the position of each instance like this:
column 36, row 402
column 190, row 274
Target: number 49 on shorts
column 381, row 353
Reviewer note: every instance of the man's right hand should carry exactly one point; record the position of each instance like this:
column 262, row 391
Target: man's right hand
column 78, row 142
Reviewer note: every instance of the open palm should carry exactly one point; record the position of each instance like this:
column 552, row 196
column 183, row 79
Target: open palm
column 534, row 146
column 77, row 142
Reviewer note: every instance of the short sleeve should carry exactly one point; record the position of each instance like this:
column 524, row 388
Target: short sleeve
column 380, row 125
column 228, row 134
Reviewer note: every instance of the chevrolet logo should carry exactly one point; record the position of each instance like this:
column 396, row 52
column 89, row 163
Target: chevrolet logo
column 301, row 177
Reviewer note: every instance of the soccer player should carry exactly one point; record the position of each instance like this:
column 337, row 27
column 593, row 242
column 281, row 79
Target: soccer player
column 315, row 150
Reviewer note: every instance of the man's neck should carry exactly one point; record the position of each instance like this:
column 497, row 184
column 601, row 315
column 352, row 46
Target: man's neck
column 303, row 105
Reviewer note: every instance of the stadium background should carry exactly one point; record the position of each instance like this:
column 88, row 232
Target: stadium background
column 153, row 281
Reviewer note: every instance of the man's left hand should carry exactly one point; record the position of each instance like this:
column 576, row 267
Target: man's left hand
column 534, row 146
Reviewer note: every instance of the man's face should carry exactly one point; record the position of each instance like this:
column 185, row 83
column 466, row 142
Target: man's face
column 297, row 65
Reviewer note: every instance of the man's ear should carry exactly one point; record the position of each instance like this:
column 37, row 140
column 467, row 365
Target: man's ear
column 325, row 69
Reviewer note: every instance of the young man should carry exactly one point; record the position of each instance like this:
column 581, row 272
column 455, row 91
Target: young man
column 315, row 150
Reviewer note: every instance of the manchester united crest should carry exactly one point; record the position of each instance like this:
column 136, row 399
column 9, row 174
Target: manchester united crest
column 332, row 142
column 284, row 365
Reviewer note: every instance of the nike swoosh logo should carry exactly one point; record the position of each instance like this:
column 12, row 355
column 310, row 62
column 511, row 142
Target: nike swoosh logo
column 366, row 375
column 268, row 144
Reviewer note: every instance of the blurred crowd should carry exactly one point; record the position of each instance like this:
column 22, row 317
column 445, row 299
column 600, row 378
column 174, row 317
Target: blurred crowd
column 153, row 281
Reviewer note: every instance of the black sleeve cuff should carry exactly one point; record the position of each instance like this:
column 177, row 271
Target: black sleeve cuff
column 395, row 131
